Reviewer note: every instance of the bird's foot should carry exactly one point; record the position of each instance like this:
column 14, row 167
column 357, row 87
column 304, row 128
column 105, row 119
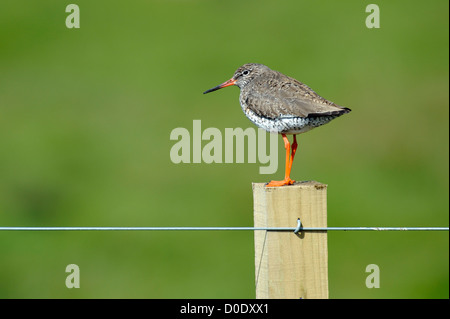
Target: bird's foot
column 286, row 181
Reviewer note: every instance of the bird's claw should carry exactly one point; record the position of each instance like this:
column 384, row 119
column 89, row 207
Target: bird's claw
column 286, row 181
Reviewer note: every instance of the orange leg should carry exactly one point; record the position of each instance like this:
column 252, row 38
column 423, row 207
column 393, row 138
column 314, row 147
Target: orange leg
column 289, row 159
column 294, row 149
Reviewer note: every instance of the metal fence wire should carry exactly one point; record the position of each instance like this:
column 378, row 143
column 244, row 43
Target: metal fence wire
column 297, row 229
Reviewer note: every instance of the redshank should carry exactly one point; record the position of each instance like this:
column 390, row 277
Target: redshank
column 280, row 104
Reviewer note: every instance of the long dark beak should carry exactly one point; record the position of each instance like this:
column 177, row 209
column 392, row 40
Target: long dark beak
column 223, row 85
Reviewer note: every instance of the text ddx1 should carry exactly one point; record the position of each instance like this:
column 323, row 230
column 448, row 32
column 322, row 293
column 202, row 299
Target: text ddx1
column 237, row 308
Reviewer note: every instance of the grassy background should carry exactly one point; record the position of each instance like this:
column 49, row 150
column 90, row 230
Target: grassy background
column 85, row 119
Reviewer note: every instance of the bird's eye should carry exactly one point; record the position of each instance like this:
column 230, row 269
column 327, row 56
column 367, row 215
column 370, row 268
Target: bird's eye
column 246, row 72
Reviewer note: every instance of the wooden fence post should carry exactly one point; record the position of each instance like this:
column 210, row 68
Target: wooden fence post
column 289, row 265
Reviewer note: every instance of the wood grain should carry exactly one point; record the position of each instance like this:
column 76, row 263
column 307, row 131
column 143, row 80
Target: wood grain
column 288, row 265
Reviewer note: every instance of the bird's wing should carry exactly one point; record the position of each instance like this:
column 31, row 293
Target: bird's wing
column 282, row 96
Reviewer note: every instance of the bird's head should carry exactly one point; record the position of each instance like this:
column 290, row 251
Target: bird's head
column 243, row 75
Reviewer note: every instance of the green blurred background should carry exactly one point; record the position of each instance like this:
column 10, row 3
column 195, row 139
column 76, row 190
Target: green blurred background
column 86, row 115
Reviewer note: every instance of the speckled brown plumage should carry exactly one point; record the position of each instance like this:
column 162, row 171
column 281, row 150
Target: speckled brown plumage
column 279, row 103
